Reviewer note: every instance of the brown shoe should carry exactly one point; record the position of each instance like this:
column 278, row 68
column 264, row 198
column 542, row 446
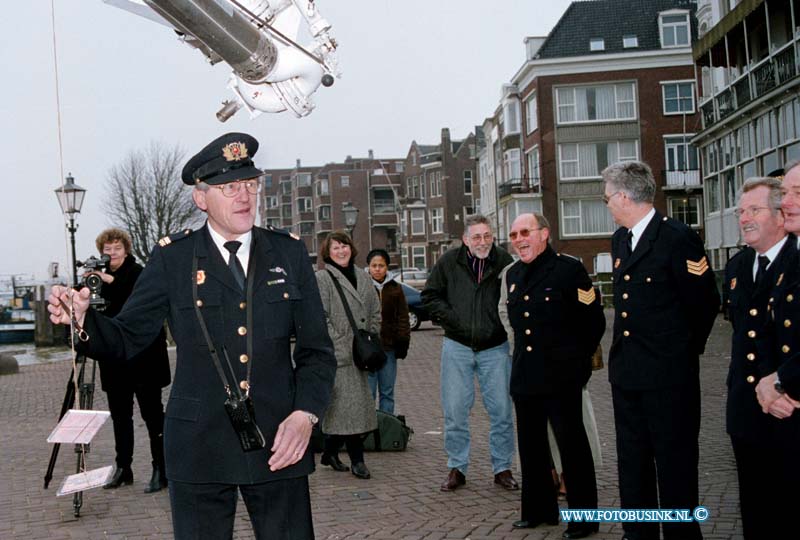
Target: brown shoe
column 455, row 480
column 505, row 479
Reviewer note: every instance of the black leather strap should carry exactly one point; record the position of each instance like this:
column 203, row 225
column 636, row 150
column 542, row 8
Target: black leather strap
column 344, row 301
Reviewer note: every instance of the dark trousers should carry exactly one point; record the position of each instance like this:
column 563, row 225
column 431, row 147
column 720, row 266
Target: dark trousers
column 120, row 404
column 278, row 510
column 539, row 496
column 657, row 454
column 353, row 443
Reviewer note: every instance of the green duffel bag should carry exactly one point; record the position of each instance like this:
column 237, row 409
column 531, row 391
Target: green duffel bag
column 392, row 434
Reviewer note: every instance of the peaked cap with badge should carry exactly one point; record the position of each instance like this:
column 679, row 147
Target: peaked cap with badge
column 227, row 158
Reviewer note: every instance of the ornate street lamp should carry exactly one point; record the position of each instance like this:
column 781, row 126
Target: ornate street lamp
column 70, row 198
column 350, row 217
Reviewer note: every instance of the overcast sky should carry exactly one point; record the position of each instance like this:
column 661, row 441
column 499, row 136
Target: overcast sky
column 410, row 68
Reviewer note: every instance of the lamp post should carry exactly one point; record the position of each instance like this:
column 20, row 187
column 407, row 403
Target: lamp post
column 70, row 198
column 350, row 217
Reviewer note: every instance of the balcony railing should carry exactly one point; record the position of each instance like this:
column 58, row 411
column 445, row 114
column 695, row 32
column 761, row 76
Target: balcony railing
column 383, row 206
column 682, row 179
column 707, row 109
column 764, row 77
column 785, row 64
column 518, row 185
column 741, row 89
column 725, row 103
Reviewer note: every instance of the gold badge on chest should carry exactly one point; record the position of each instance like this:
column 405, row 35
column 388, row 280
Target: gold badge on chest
column 201, row 277
column 617, row 263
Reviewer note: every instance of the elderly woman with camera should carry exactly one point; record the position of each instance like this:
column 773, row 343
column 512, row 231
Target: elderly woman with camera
column 143, row 376
column 351, row 413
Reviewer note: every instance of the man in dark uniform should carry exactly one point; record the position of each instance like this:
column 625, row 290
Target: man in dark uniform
column 557, row 322
column 665, row 301
column 750, row 278
column 233, row 294
column 142, row 376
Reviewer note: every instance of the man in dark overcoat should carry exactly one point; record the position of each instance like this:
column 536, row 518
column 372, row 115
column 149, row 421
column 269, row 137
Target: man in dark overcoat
column 233, row 295
column 557, row 322
column 665, row 302
column 750, row 278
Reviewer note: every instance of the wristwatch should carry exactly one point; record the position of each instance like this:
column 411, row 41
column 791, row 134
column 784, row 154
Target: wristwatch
column 312, row 418
column 778, row 386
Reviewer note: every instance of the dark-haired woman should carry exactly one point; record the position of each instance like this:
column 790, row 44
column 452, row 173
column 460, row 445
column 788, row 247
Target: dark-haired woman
column 395, row 330
column 351, row 413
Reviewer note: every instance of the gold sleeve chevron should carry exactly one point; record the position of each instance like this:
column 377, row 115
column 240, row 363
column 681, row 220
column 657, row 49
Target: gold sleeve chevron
column 697, row 268
column 586, row 297
column 165, row 241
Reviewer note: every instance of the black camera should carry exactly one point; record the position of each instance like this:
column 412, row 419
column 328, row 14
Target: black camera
column 92, row 281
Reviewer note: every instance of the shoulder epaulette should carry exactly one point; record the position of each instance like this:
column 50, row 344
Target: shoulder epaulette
column 167, row 240
column 284, row 232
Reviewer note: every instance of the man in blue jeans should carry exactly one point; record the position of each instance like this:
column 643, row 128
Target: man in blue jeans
column 462, row 294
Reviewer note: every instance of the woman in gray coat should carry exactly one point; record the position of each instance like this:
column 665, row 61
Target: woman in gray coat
column 351, row 413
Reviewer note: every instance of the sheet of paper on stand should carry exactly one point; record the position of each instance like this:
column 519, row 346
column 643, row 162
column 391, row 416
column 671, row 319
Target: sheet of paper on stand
column 85, row 480
column 78, row 427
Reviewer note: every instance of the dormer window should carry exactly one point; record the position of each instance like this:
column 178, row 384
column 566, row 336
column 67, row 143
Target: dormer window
column 674, row 29
column 597, row 44
column 630, row 42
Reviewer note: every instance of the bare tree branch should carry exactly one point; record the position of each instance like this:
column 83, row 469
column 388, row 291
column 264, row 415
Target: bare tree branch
column 146, row 197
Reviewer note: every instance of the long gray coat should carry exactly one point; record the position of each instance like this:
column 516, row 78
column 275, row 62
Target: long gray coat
column 352, row 408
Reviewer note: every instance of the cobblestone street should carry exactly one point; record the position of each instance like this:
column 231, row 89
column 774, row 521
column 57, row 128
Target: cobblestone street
column 401, row 501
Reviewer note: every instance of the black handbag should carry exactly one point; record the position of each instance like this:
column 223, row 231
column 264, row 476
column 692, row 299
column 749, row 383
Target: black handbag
column 368, row 352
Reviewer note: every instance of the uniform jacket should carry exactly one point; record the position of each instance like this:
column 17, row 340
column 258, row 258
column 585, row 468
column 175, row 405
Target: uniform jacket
column 395, row 329
column 200, row 443
column 151, row 366
column 557, row 320
column 784, row 328
column 352, row 408
column 665, row 300
column 466, row 310
column 751, row 346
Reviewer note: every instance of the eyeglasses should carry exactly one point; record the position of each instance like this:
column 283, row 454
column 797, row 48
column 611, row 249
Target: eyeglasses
column 609, row 197
column 752, row 212
column 486, row 237
column 523, row 233
column 232, row 189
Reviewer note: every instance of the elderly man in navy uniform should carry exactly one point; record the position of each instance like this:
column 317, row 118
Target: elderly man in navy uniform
column 233, row 294
column 750, row 278
column 556, row 320
column 665, row 301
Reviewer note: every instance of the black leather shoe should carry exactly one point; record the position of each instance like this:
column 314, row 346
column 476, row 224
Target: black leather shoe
column 157, row 482
column 506, row 479
column 525, row 524
column 121, row 476
column 360, row 470
column 455, row 479
column 581, row 530
column 333, row 462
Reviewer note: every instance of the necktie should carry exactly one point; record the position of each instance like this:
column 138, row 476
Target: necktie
column 630, row 242
column 763, row 261
column 233, row 262
column 626, row 247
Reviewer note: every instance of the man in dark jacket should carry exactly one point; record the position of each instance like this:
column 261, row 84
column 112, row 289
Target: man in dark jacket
column 665, row 303
column 233, row 295
column 462, row 293
column 142, row 376
column 750, row 278
column 557, row 322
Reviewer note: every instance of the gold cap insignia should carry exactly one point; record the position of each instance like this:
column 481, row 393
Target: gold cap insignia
column 165, row 241
column 617, row 262
column 733, row 283
column 697, row 268
column 780, row 278
column 513, row 286
column 201, row 277
column 234, row 151
column 586, row 297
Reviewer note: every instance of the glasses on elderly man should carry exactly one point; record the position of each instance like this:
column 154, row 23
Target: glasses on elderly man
column 523, row 233
column 232, row 189
column 486, row 237
column 752, row 211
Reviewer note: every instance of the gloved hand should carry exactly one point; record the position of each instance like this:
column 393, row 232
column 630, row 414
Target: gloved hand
column 401, row 350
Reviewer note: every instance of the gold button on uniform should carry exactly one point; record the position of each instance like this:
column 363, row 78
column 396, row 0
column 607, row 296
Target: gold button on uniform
column 199, row 303
column 785, row 348
column 529, row 348
column 751, row 334
column 244, row 385
column 787, row 323
column 546, row 298
column 751, row 379
column 626, row 333
column 648, row 280
column 751, row 356
column 626, row 277
column 526, row 297
column 789, row 298
column 624, row 296
column 243, row 359
column 286, row 295
column 527, row 331
column 242, row 305
column 526, row 314
column 624, row 314
column 753, row 311
column 242, row 330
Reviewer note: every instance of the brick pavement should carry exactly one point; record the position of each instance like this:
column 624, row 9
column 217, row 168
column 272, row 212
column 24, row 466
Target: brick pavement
column 401, row 501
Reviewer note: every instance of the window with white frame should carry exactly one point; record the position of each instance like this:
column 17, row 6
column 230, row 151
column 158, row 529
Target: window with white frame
column 786, row 127
column 324, row 213
column 286, row 188
column 680, row 153
column 410, row 187
column 587, row 160
column 531, row 119
column 404, row 225
column 274, row 222
column 511, row 116
column 674, row 29
column 744, row 143
column 272, row 202
column 630, row 42
column 467, row 182
column 306, row 228
column 712, row 189
column 580, row 217
column 422, row 186
column 267, row 180
column 437, row 220
column 596, row 103
column 511, row 164
column 678, row 97
column 764, row 140
column 418, row 221
column 686, row 210
column 533, row 166
column 597, row 44
column 303, row 179
column 304, row 204
column 418, row 257
column 399, row 166
column 322, row 187
column 345, row 181
column 439, row 182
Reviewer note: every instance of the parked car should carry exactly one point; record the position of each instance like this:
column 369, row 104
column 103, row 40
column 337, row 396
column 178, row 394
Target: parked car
column 416, row 311
column 414, row 278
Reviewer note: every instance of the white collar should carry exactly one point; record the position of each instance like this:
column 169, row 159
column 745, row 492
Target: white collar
column 771, row 253
column 243, row 254
column 638, row 229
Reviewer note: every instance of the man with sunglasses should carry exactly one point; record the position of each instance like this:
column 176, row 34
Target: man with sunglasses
column 462, row 294
column 665, row 303
column 233, row 295
column 750, row 278
column 555, row 317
